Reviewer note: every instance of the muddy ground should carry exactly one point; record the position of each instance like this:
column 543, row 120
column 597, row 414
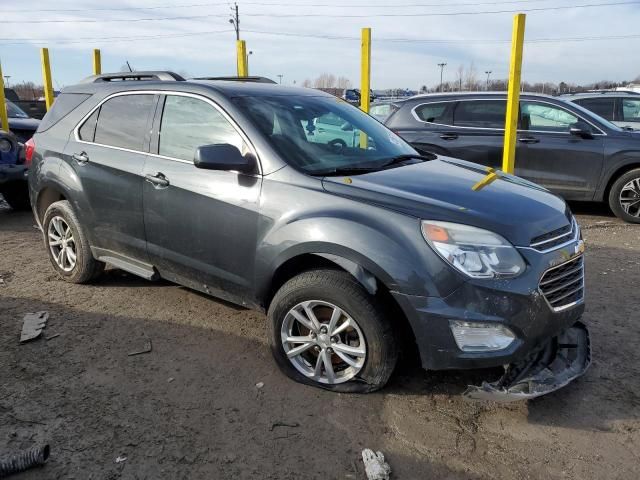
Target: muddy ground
column 190, row 409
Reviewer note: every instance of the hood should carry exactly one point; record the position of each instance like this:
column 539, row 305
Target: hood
column 442, row 190
column 30, row 124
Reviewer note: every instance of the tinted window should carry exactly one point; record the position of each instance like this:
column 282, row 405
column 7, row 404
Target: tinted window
column 14, row 111
column 435, row 112
column 63, row 105
column 545, row 117
column 188, row 123
column 88, row 129
column 631, row 110
column 600, row 106
column 480, row 114
column 122, row 121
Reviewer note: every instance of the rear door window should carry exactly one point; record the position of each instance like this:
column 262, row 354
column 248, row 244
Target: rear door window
column 435, row 112
column 122, row 121
column 189, row 123
column 605, row 107
column 480, row 114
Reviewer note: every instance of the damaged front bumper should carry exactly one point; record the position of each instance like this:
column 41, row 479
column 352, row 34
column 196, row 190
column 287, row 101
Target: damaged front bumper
column 560, row 361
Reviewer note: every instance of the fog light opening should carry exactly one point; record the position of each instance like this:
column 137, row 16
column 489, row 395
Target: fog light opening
column 481, row 337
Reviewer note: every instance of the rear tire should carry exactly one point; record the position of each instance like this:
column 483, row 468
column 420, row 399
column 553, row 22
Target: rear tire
column 16, row 194
column 67, row 245
column 624, row 196
column 352, row 334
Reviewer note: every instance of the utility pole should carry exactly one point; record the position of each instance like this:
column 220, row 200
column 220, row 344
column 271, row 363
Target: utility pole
column 441, row 65
column 7, row 77
column 235, row 20
column 488, row 72
column 280, row 78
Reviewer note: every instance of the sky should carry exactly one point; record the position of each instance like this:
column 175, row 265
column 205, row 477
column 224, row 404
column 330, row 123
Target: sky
column 303, row 39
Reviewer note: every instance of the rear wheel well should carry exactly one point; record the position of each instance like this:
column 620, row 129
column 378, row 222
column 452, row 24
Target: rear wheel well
column 617, row 174
column 295, row 266
column 46, row 197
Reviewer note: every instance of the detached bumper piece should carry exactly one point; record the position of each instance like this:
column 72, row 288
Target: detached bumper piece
column 563, row 359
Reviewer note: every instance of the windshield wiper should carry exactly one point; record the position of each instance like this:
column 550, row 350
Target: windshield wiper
column 345, row 171
column 403, row 158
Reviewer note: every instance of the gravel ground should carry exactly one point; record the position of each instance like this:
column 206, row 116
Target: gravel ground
column 191, row 409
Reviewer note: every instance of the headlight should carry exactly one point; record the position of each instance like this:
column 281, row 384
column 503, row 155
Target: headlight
column 5, row 145
column 475, row 252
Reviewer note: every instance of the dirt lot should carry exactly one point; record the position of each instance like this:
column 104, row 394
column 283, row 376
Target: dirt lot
column 190, row 409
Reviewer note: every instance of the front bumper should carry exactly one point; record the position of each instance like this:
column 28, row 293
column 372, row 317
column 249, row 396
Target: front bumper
column 557, row 363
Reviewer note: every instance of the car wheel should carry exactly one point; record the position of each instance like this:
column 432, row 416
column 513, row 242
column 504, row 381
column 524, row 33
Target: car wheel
column 67, row 245
column 327, row 331
column 337, row 144
column 16, row 194
column 624, row 197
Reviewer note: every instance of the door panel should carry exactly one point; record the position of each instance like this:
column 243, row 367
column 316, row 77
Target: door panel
column 201, row 225
column 550, row 156
column 110, row 177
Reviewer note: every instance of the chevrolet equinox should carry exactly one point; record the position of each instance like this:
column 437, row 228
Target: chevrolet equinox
column 357, row 251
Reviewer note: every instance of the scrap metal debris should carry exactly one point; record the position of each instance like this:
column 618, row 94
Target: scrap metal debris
column 121, row 458
column 23, row 461
column 562, row 360
column 147, row 349
column 32, row 325
column 283, row 424
column 375, row 466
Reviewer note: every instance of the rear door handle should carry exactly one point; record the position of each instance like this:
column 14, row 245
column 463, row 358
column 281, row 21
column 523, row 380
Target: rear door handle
column 449, row 136
column 528, row 140
column 80, row 158
column 158, row 180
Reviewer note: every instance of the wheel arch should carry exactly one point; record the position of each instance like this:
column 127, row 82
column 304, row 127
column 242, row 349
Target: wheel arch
column 616, row 175
column 49, row 194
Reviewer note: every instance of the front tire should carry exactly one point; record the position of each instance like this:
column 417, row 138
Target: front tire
column 67, row 245
column 325, row 330
column 624, row 196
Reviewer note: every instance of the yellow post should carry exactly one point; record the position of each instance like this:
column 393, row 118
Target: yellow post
column 97, row 63
column 365, row 78
column 46, row 77
column 513, row 98
column 241, row 48
column 4, row 119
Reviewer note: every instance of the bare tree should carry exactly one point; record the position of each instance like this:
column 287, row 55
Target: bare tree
column 307, row 83
column 471, row 78
column 28, row 90
column 343, row 82
column 325, row 80
column 460, row 76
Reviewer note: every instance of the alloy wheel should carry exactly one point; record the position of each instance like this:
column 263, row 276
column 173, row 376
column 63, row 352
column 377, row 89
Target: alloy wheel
column 62, row 243
column 323, row 342
column 630, row 197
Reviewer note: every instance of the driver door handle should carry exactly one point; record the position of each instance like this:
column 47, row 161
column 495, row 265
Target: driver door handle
column 528, row 139
column 80, row 158
column 449, row 136
column 158, row 180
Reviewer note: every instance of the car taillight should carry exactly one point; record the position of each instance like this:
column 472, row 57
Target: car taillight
column 29, row 149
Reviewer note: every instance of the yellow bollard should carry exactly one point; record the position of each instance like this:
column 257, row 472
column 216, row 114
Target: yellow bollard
column 46, row 77
column 241, row 48
column 4, row 118
column 513, row 97
column 97, row 63
column 365, row 78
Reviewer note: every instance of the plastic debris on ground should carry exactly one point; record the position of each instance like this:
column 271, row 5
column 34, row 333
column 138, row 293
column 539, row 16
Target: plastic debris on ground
column 32, row 325
column 375, row 466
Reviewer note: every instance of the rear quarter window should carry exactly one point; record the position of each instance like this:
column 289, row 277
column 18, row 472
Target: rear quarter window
column 435, row 112
column 64, row 104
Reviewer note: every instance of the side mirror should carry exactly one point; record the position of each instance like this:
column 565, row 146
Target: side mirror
column 222, row 156
column 581, row 129
column 347, row 127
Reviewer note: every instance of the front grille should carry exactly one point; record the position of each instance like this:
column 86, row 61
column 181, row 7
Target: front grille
column 554, row 238
column 563, row 286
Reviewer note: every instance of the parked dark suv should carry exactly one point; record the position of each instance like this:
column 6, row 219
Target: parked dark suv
column 619, row 107
column 357, row 253
column 561, row 146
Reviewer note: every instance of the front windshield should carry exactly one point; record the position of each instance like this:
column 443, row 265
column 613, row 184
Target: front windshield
column 13, row 111
column 321, row 135
column 592, row 116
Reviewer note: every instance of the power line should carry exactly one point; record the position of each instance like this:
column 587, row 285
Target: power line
column 27, row 41
column 300, row 15
column 440, row 14
column 264, row 4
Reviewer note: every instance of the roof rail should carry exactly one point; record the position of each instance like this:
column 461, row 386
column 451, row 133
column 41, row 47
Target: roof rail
column 238, row 79
column 163, row 76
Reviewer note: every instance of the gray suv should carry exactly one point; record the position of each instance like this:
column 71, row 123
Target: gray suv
column 620, row 108
column 358, row 253
column 560, row 145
